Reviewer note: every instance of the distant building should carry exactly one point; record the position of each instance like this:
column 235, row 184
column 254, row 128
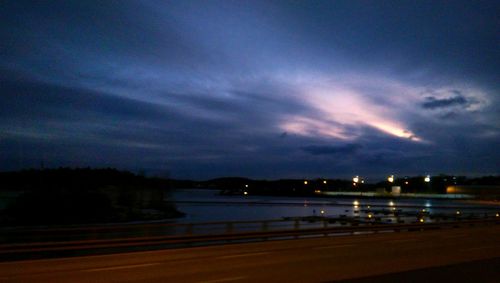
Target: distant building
column 396, row 190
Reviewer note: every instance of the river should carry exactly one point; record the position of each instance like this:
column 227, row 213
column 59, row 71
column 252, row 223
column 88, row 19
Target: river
column 208, row 205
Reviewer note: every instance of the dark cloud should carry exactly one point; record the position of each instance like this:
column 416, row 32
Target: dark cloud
column 332, row 150
column 433, row 103
column 204, row 89
column 40, row 102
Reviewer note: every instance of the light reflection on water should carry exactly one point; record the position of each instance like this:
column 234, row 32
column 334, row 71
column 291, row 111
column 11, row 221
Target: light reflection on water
column 240, row 208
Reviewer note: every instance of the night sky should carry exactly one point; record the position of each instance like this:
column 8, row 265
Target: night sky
column 262, row 89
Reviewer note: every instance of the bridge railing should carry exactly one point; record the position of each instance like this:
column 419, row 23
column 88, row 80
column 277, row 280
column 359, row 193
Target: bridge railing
column 138, row 230
column 82, row 247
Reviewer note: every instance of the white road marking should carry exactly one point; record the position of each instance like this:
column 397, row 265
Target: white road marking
column 243, row 255
column 332, row 247
column 404, row 240
column 455, row 236
column 134, row 254
column 121, row 267
column 479, row 248
column 223, row 279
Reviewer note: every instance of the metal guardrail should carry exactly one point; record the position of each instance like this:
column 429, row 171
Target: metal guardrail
column 7, row 250
column 109, row 232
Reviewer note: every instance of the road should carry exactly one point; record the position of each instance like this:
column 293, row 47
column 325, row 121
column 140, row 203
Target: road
column 382, row 257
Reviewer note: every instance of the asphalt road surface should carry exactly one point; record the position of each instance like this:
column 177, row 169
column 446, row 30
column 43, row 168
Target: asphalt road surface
column 456, row 255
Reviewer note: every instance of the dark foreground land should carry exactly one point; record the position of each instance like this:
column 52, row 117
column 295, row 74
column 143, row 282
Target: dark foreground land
column 456, row 255
column 68, row 196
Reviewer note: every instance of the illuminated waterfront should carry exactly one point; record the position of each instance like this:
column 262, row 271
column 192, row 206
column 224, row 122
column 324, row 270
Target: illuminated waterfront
column 209, row 205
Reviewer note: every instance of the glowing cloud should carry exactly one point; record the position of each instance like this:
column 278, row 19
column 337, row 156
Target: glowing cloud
column 341, row 108
column 395, row 131
column 312, row 127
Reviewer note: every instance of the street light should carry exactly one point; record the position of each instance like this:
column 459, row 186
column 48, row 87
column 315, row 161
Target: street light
column 355, row 179
column 390, row 179
column 427, row 179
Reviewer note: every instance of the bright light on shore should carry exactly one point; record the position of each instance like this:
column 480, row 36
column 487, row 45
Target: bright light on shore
column 427, row 179
column 355, row 179
column 390, row 179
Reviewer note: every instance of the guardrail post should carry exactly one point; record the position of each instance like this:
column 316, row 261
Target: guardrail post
column 229, row 227
column 264, row 225
column 189, row 229
column 296, row 226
